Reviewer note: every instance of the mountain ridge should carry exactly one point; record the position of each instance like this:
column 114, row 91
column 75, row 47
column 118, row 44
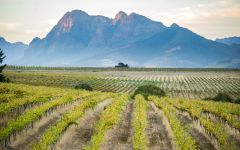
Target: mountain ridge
column 80, row 39
column 229, row 40
column 13, row 51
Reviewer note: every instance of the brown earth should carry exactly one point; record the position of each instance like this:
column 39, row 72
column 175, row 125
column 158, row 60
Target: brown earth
column 202, row 140
column 121, row 136
column 28, row 136
column 157, row 132
column 77, row 137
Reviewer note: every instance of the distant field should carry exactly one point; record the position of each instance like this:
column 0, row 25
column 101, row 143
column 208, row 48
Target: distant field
column 178, row 83
column 41, row 118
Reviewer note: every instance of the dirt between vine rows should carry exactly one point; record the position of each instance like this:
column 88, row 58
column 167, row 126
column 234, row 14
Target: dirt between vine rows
column 12, row 115
column 203, row 142
column 77, row 137
column 25, row 144
column 234, row 137
column 157, row 133
column 24, row 140
column 121, row 136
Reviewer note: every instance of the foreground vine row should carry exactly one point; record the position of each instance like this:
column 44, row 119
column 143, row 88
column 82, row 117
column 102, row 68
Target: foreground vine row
column 214, row 128
column 140, row 123
column 53, row 132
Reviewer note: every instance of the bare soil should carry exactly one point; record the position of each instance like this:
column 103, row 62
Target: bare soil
column 157, row 133
column 121, row 136
column 12, row 115
column 202, row 140
column 28, row 136
column 234, row 133
column 77, row 137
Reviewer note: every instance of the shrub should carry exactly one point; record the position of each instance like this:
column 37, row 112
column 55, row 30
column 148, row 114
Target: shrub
column 83, row 86
column 4, row 79
column 224, row 97
column 237, row 101
column 147, row 90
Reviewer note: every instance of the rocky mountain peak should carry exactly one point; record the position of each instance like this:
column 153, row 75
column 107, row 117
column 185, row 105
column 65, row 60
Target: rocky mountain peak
column 67, row 21
column 174, row 25
column 119, row 16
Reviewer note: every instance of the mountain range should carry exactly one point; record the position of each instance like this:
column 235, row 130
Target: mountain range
column 13, row 51
column 229, row 40
column 80, row 39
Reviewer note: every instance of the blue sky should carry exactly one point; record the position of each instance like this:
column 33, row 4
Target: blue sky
column 22, row 20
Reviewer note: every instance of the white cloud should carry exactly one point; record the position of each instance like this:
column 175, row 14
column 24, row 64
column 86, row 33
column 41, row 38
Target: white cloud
column 222, row 8
column 32, row 31
column 210, row 19
column 9, row 25
column 25, row 32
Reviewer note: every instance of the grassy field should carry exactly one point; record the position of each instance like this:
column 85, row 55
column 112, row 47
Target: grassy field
column 40, row 109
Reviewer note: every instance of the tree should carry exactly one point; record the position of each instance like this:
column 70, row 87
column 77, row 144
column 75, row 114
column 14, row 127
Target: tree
column 121, row 65
column 2, row 77
column 83, row 86
column 148, row 90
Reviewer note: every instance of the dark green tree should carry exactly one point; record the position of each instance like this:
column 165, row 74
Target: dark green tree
column 122, row 65
column 148, row 90
column 2, row 77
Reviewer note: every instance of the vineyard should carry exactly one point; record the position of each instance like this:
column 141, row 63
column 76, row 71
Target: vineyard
column 185, row 83
column 42, row 117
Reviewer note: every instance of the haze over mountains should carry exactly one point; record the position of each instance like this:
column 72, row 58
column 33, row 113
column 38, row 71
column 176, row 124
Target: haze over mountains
column 79, row 39
column 13, row 51
column 229, row 40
